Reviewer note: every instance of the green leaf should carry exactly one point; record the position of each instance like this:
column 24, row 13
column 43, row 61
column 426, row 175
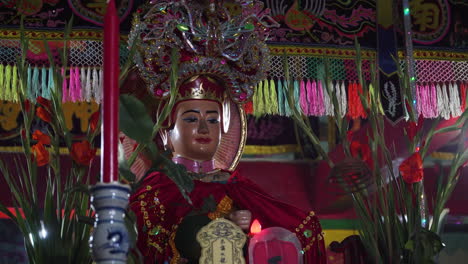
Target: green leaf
column 135, row 122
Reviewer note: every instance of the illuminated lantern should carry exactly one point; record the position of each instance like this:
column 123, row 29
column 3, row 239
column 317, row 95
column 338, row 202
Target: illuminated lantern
column 275, row 245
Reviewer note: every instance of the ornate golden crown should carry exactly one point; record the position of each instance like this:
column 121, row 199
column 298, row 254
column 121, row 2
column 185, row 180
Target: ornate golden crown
column 212, row 40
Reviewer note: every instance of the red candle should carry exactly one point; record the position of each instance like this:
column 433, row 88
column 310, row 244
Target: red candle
column 110, row 104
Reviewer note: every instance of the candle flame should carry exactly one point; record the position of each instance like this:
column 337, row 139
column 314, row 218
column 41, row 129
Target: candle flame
column 256, row 227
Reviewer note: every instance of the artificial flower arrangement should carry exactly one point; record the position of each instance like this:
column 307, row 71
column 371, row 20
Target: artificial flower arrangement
column 388, row 195
column 57, row 227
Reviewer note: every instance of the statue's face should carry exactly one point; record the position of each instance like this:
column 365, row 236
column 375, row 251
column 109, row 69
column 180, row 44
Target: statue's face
column 197, row 130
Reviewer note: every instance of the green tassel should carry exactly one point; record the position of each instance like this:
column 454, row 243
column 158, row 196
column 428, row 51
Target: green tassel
column 2, row 68
column 7, row 84
column 14, row 85
column 273, row 98
column 281, row 111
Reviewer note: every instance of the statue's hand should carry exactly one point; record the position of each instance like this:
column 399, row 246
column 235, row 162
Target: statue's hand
column 242, row 218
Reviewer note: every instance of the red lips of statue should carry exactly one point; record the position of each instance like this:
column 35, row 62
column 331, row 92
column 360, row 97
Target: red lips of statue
column 203, row 140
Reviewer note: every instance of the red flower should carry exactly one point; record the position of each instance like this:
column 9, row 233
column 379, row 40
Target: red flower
column 412, row 128
column 41, row 137
column 412, row 169
column 94, row 120
column 43, row 114
column 40, row 153
column 362, row 151
column 82, row 153
column 45, row 103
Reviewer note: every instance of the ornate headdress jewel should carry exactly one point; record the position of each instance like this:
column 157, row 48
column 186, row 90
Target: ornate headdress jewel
column 220, row 38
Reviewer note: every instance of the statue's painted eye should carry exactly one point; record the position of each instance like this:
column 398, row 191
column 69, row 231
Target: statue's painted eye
column 115, row 237
column 213, row 120
column 190, row 119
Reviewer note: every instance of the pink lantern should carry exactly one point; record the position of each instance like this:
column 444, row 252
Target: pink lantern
column 275, row 245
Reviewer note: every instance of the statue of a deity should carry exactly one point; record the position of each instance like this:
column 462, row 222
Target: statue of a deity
column 222, row 57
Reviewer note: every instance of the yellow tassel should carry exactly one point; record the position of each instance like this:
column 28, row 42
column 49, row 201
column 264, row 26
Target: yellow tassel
column 7, row 84
column 2, row 88
column 273, row 98
column 14, row 85
column 266, row 97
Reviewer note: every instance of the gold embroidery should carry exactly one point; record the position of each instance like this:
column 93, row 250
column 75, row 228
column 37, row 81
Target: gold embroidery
column 175, row 252
column 223, row 208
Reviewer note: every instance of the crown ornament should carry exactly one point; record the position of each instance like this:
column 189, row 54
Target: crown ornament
column 221, row 39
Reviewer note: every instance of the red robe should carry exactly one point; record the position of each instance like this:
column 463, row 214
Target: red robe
column 160, row 207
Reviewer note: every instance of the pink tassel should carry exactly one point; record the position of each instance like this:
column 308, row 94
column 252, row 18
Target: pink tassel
column 419, row 106
column 303, row 97
column 71, row 89
column 78, row 87
column 64, row 86
column 311, row 91
column 423, row 101
column 320, row 102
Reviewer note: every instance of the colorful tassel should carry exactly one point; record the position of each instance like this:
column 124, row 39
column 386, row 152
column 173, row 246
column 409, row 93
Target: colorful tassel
column 440, row 102
column 82, row 80
column 311, row 91
column 259, row 106
column 355, row 109
column 454, row 100
column 95, row 85
column 65, row 91
column 7, row 83
column 446, row 102
column 344, row 102
column 287, row 107
column 88, row 96
column 71, row 86
column 273, row 98
column 35, row 83
column 338, row 98
column 78, row 88
column 44, row 91
column 422, row 97
column 297, row 95
column 434, row 101
column 14, row 85
column 463, row 96
column 51, row 83
column 29, row 91
column 2, row 77
column 327, row 103
column 320, row 103
column 352, row 93
column 280, row 98
column 423, row 102
column 303, row 98
column 101, row 86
